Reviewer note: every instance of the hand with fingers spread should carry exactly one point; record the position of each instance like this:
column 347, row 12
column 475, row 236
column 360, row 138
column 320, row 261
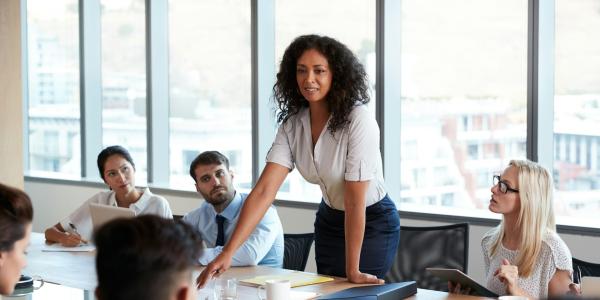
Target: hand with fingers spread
column 509, row 274
column 218, row 266
column 359, row 277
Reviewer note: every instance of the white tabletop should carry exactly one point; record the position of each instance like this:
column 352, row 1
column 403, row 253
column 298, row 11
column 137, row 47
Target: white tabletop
column 77, row 270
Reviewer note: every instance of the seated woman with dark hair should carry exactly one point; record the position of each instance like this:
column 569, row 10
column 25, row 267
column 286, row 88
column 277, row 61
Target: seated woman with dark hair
column 16, row 214
column 118, row 172
column 146, row 257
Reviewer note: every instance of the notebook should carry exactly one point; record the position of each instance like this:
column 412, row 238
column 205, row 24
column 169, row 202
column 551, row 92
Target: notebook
column 390, row 291
column 104, row 213
column 465, row 281
column 296, row 279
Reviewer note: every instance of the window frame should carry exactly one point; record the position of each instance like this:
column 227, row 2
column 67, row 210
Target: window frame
column 540, row 96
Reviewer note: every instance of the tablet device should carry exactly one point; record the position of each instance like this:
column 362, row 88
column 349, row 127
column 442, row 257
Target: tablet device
column 104, row 213
column 465, row 281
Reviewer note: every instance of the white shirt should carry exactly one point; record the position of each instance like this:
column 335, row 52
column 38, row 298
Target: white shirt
column 264, row 246
column 148, row 204
column 351, row 155
column 554, row 255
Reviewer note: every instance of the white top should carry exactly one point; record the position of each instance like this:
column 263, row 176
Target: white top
column 554, row 255
column 264, row 246
column 351, row 155
column 148, row 203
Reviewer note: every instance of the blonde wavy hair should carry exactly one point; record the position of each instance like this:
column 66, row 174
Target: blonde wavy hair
column 536, row 216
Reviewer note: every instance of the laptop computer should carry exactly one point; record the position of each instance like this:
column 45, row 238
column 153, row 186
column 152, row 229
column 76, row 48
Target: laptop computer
column 104, row 213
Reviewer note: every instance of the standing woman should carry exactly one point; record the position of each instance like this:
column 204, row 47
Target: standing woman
column 16, row 214
column 117, row 169
column 328, row 134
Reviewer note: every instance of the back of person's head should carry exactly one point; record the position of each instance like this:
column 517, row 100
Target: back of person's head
column 145, row 257
column 208, row 158
column 110, row 151
column 16, row 213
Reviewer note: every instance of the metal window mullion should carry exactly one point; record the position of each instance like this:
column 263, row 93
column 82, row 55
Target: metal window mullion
column 263, row 78
column 540, row 82
column 157, row 91
column 388, row 96
column 25, row 83
column 90, row 84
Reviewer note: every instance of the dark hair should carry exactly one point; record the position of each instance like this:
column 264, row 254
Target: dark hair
column 143, row 257
column 349, row 86
column 16, row 213
column 110, row 151
column 208, row 158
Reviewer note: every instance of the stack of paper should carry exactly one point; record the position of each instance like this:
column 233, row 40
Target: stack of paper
column 58, row 248
column 296, row 279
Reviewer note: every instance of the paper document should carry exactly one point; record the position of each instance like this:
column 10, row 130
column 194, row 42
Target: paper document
column 296, row 279
column 59, row 248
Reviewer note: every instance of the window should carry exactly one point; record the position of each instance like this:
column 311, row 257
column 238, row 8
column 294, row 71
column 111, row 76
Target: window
column 124, row 79
column 354, row 26
column 463, row 91
column 210, row 85
column 577, row 110
column 459, row 80
column 53, row 45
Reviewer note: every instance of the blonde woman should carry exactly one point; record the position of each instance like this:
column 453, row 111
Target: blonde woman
column 524, row 255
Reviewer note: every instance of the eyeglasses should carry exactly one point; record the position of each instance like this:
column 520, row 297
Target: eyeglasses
column 503, row 185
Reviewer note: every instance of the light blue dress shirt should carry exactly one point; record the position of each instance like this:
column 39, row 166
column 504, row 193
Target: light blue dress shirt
column 263, row 247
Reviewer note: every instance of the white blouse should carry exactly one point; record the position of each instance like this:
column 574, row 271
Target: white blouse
column 352, row 154
column 554, row 255
column 148, row 204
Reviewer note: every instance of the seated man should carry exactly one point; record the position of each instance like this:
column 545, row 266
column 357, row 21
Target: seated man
column 216, row 218
column 147, row 257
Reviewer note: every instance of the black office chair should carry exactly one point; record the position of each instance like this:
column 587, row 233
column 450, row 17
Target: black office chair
column 297, row 247
column 177, row 217
column 430, row 247
column 583, row 268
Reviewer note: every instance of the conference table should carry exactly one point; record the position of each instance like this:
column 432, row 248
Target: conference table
column 76, row 270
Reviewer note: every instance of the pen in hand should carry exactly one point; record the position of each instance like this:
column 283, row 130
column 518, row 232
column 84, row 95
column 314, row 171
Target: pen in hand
column 77, row 233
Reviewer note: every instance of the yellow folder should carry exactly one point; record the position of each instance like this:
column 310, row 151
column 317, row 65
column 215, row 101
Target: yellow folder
column 296, row 279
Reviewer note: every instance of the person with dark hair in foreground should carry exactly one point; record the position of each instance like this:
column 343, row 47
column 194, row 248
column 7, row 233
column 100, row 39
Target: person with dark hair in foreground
column 16, row 214
column 146, row 257
column 117, row 169
column 328, row 134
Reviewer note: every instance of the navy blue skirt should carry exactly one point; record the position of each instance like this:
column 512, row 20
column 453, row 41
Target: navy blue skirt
column 380, row 243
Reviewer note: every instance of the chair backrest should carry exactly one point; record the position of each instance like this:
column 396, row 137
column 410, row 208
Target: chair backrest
column 430, row 247
column 297, row 247
column 583, row 268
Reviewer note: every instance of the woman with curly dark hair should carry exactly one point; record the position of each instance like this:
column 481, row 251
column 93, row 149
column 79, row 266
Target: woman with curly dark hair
column 327, row 133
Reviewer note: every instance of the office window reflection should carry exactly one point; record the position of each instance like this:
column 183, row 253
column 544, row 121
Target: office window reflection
column 53, row 59
column 464, row 98
column 124, row 79
column 577, row 110
column 209, row 85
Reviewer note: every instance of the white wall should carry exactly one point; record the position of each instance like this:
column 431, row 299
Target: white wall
column 54, row 201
